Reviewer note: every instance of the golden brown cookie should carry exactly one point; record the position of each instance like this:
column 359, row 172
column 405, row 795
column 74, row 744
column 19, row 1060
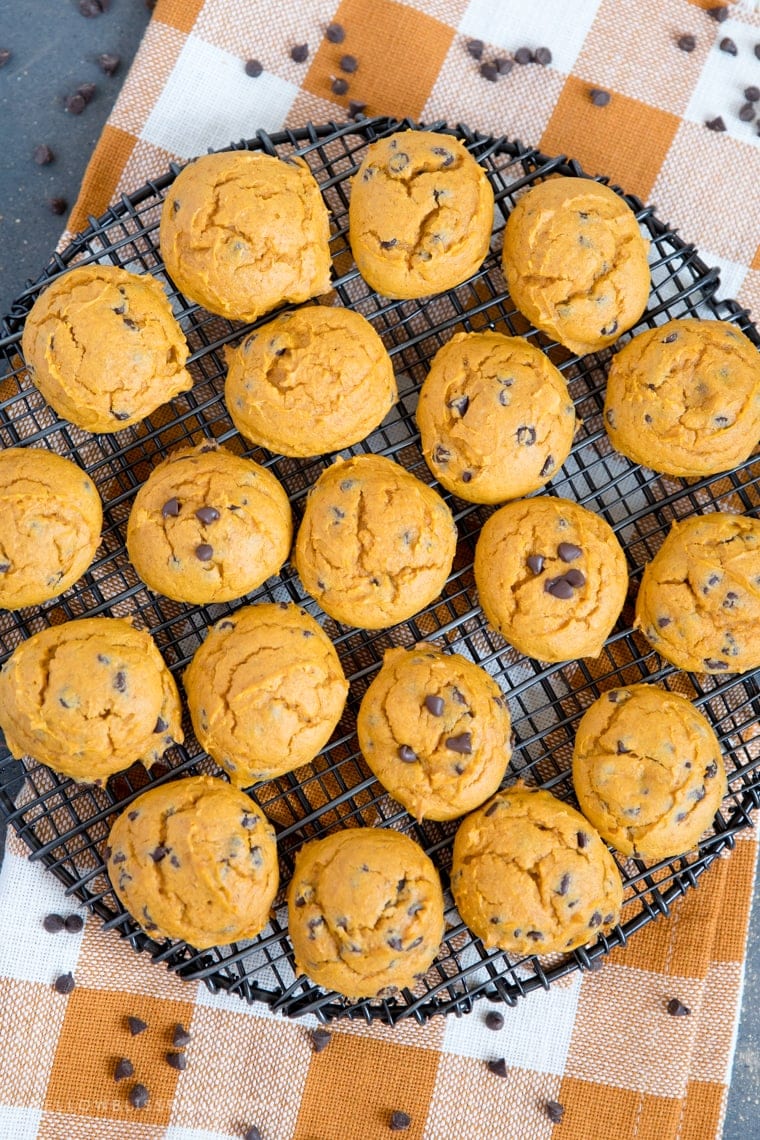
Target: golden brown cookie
column 196, row 860
column 576, row 262
column 420, row 215
column 365, row 912
column 684, row 398
column 243, row 232
column 495, row 416
column 551, row 577
column 699, row 599
column 647, row 771
column 310, row 381
column 434, row 728
column 208, row 526
column 50, row 523
column 89, row 698
column 265, row 691
column 530, row 875
column 103, row 347
column 376, row 545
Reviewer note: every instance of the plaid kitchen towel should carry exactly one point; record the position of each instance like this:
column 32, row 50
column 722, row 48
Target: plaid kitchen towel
column 675, row 130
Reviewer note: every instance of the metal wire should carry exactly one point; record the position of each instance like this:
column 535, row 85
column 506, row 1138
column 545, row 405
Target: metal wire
column 65, row 825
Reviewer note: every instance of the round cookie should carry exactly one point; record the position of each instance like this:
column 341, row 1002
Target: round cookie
column 310, row 381
column 89, row 698
column 647, row 771
column 576, row 263
column 365, row 912
column 699, row 599
column 495, row 416
column 103, row 347
column 551, row 577
column 420, row 215
column 531, row 876
column 50, row 523
column 195, row 860
column 243, row 232
column 684, row 398
column 208, row 526
column 435, row 730
column 265, row 691
column 376, row 545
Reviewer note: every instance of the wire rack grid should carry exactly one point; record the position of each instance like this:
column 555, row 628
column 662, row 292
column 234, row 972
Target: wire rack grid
column 65, row 825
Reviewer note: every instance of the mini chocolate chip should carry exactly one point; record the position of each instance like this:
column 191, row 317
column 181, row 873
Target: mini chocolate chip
column 139, row 1096
column 459, row 404
column 87, row 91
column 488, row 71
column 335, row 33
column 42, row 155
column 53, row 923
column 57, row 205
column 207, row 515
column 621, row 748
column 461, row 743
column 4, row 567
column 663, row 621
column 119, row 857
column 503, row 65
column 441, row 454
column 442, row 152
column 181, row 1038
column 75, row 104
column 747, row 113
column 177, row 1061
column 609, row 330
column 599, row 98
column 564, row 884
column 698, row 794
column 136, row 1025
column 92, row 8
column 339, row 86
column 249, row 822
column 498, row 1068
column 389, row 244
column 676, row 1008
column 161, row 725
column 435, row 705
column 348, row 63
column 5, row 55
column 728, row 46
column 108, row 63
column 526, row 435
column 398, row 163
column 407, row 754
column 299, row 53
column 719, row 12
column 124, row 1068
column 74, row 923
column 395, row 943
column 757, row 51
column 133, row 815
column 159, row 853
column 583, row 839
column 535, row 936
column 320, row 1039
column 120, row 415
column 399, row 1121
column 595, row 920
column 65, row 983
column 555, row 1111
column 752, row 94
column 457, row 696
column 559, row 588
column 170, row 509
column 253, row 1134
column 535, row 563
column 355, row 107
column 548, row 466
column 523, row 55
column 204, row 552
column 714, row 663
column 681, row 816
column 504, row 398
column 475, row 48
column 467, row 476
column 543, row 56
column 715, row 124
column 568, row 551
column 711, row 770
column 493, row 807
column 120, row 681
column 494, row 1020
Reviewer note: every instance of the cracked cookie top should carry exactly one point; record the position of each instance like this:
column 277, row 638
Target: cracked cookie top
column 420, row 215
column 88, row 698
column 495, row 416
column 551, row 577
column 243, row 232
column 647, row 771
column 365, row 912
column 103, row 347
column 530, row 875
column 376, row 544
column 684, row 398
column 51, row 522
column 208, row 526
column 265, row 691
column 576, row 262
column 434, row 728
column 699, row 599
column 196, row 860
column 310, row 381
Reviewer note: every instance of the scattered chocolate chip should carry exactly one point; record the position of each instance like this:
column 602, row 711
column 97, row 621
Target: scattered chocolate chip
column 159, row 853
column 494, row 1020
column 687, row 42
column 491, row 809
column 120, row 681
column 568, row 551
column 65, row 983
column 543, row 56
column 523, row 55
column 714, row 663
column 177, row 1061
column 299, row 53
column 170, row 509
column 249, row 822
column 503, row 65
column 752, row 94
column 320, row 1039
column 138, row 1096
column 548, row 466
column 133, row 815
column 87, row 91
column 5, row 55
column 400, row 1121
column 467, row 476
column 73, row 923
column 207, row 515
column 53, row 923
column 475, row 48
column 559, row 588
column 757, row 51
column 441, row 454
column 498, row 1068
column 57, row 205
column 253, row 68
column 399, row 162
column 599, row 98
column 459, row 404
column 526, row 436
column 564, row 884
column 727, row 45
column 348, row 63
column 161, row 725
column 747, row 113
column 719, row 12
column 124, row 1068
column 75, row 104
column 711, row 770
column 91, row 8
column 595, row 920
column 555, row 1111
column 610, row 329
column 181, row 1038
column 535, row 563
column 535, row 935
column 458, row 696
column 435, row 705
column 583, row 839
column 576, row 578
column 488, row 71
column 339, row 86
column 108, row 63
column 253, row 1134
column 407, row 754
column 621, row 748
column 204, row 552
column 335, row 33
column 715, row 124
column 461, row 743
column 43, row 155
column 676, row 1008
column 355, row 107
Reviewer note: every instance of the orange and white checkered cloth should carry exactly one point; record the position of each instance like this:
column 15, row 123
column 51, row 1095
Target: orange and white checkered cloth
column 600, row 1044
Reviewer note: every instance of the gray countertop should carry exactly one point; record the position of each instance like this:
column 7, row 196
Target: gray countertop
column 54, row 50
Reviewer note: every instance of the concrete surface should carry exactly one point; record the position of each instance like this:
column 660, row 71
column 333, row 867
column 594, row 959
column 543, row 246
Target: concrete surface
column 54, row 51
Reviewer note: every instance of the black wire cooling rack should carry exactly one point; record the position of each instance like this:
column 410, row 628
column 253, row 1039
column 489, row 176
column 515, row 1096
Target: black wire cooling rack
column 65, row 825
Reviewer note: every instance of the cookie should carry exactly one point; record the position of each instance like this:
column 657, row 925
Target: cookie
column 89, row 698
column 495, row 417
column 103, row 347
column 208, row 526
column 576, row 262
column 365, row 912
column 435, row 730
column 265, row 691
column 310, row 381
column 50, row 523
column 684, row 398
column 195, row 860
column 243, row 232
column 699, row 599
column 647, row 771
column 551, row 577
column 376, row 545
column 420, row 214
column 530, row 875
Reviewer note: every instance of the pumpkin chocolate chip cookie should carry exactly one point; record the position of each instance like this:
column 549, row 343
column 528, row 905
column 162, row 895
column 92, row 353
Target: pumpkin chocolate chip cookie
column 576, row 262
column 103, row 347
column 495, row 416
column 243, row 232
column 434, row 728
column 420, row 215
column 530, row 875
column 88, row 698
column 699, row 599
column 365, row 912
column 647, row 771
column 196, row 860
column 551, row 577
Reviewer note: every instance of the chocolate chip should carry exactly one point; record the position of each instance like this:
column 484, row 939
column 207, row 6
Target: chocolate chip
column 136, row 1025
column 475, row 48
column 181, row 1038
column 494, row 1020
column 568, row 551
column 457, row 696
column 170, row 509
column 621, row 748
column 728, row 46
column 467, row 476
column 446, row 155
column 543, row 56
column 53, row 923
column 5, row 55
column 398, row 163
column 435, row 705
column 407, row 754
column 335, row 33
column 355, row 107
column 91, row 8
column 339, row 86
column 698, row 794
column 498, row 1068
column 253, row 1134
column 503, row 65
column 757, row 51
column 87, row 91
column 320, row 1039
column 204, row 552
column 389, row 244
column 65, row 983
column 4, row 567
column 714, row 663
column 488, row 71
column 719, row 12
column 523, row 55
column 124, row 1068
column 108, row 63
column 461, row 743
column 747, row 113
column 138, row 1096
column 253, row 68
column 559, row 588
column 207, row 515
column 133, row 815
column 711, row 770
column 583, row 839
column 57, row 205
column 119, row 857
column 120, row 415
column 42, row 154
column 564, row 884
column 159, row 853
column 348, row 63
column 576, row 578
column 535, row 563
column 75, row 104
column 555, row 1111
column 526, row 435
column 459, row 404
column 490, row 810
column 504, row 398
column 177, row 1061
column 249, row 822
column 120, row 681
column 299, row 53
column 610, row 329
column 161, row 725
column 599, row 98
column 74, row 923
column 441, row 454
column 400, row 1121
column 548, row 466
column 752, row 94
column 676, row 1008
column 595, row 920
column 395, row 943
column 663, row 621
column 715, row 124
